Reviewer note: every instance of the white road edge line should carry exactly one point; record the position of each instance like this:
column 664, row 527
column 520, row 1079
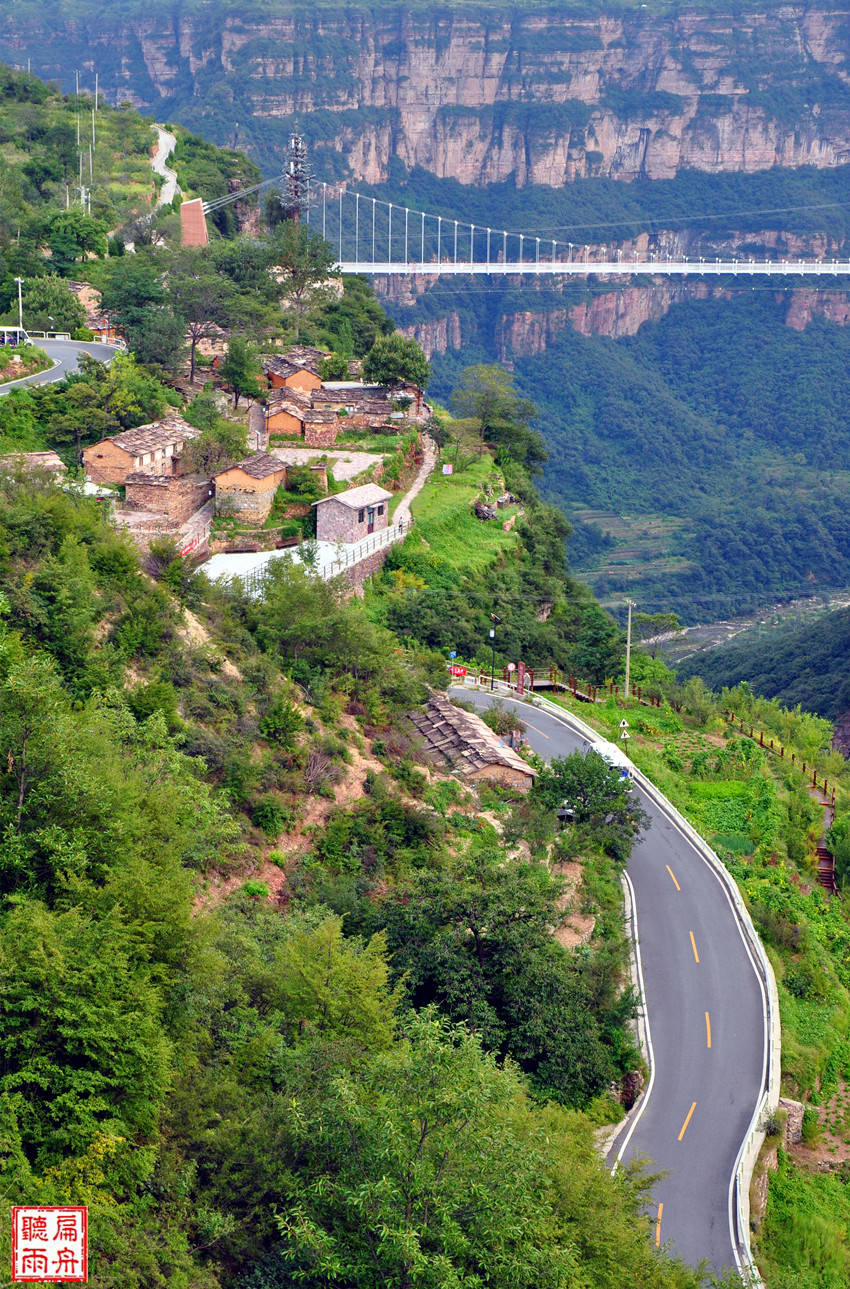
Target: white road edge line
column 751, row 1269
column 645, row 1095
column 700, row 845
column 7, row 385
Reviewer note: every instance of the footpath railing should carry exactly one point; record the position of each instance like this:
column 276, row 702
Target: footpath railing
column 344, row 558
column 773, row 745
column 354, row 554
column 769, row 1098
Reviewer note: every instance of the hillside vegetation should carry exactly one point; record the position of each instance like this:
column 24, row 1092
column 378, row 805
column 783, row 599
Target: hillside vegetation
column 709, row 429
column 245, row 1088
column 805, row 665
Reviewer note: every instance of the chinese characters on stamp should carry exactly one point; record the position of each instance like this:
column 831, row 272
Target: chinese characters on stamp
column 50, row 1243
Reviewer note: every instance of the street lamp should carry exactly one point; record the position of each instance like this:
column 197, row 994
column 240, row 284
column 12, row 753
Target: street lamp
column 496, row 620
column 20, row 281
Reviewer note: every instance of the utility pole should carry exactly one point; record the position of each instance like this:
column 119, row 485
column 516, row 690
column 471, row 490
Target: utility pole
column 496, row 620
column 20, row 281
column 630, row 603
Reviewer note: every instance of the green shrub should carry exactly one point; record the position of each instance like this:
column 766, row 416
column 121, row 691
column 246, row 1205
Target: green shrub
column 281, row 723
column 268, row 815
column 257, row 889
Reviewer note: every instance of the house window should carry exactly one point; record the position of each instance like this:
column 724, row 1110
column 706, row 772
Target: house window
column 380, row 510
column 360, row 516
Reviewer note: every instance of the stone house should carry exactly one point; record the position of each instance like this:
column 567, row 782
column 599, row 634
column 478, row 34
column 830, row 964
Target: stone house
column 33, row 462
column 281, row 373
column 307, row 355
column 351, row 515
column 247, row 489
column 316, row 426
column 176, row 496
column 462, row 741
column 149, row 449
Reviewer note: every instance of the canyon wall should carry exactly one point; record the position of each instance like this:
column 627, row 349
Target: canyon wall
column 611, row 314
column 480, row 96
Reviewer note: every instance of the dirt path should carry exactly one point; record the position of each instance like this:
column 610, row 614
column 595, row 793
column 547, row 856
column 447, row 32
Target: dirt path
column 429, row 460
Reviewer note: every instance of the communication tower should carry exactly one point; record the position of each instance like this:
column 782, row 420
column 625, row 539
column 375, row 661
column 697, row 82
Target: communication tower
column 296, row 196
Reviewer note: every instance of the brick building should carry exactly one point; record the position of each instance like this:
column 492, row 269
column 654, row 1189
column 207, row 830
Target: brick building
column 149, row 449
column 283, row 373
column 284, row 415
column 176, row 496
column 351, row 515
column 248, row 488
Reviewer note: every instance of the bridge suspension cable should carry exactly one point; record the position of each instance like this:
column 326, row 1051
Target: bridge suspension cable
column 444, row 246
column 417, row 242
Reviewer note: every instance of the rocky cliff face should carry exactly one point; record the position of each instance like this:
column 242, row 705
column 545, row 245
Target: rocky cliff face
column 613, row 314
column 477, row 96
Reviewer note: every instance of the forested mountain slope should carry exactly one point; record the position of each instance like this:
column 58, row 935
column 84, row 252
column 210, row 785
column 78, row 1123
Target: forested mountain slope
column 807, row 665
column 720, row 433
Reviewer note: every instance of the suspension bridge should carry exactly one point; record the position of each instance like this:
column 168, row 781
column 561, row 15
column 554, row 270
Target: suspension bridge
column 380, row 238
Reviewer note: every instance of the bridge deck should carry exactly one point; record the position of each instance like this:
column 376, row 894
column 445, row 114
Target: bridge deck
column 603, row 268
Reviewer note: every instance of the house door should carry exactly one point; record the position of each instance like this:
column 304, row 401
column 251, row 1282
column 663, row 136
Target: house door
column 370, row 519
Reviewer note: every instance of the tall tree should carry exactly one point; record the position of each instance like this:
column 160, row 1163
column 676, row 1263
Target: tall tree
column 240, row 370
column 397, row 360
column 305, row 265
column 136, row 301
column 486, row 392
column 200, row 296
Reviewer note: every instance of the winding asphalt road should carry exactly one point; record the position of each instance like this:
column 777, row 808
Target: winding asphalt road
column 705, row 1009
column 65, row 355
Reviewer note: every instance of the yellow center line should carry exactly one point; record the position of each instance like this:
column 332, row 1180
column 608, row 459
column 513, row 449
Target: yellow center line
column 687, row 1121
column 534, row 727
column 694, row 946
column 658, row 1224
column 673, row 875
column 707, row 1030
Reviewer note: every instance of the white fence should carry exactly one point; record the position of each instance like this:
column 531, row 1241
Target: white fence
column 354, row 554
column 330, row 560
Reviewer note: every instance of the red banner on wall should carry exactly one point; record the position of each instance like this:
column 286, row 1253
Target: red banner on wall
column 456, row 670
